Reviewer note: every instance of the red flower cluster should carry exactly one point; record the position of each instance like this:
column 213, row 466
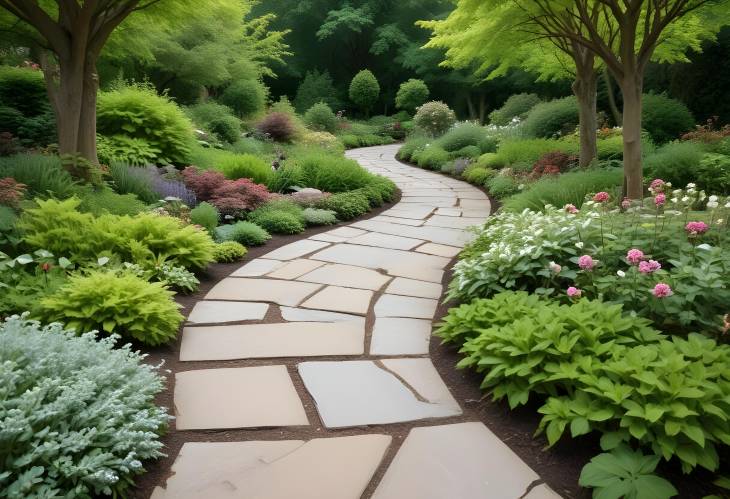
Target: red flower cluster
column 11, row 192
column 231, row 197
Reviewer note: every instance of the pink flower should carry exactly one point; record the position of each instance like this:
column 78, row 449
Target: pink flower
column 649, row 267
column 634, row 256
column 574, row 292
column 586, row 262
column 570, row 208
column 601, row 197
column 660, row 199
column 662, row 290
column 696, row 228
column 656, row 185
column 555, row 267
column 626, row 203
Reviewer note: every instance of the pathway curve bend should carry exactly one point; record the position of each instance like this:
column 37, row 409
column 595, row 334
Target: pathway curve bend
column 345, row 373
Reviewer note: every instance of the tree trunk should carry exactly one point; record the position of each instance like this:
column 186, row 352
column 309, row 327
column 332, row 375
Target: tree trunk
column 482, row 108
column 617, row 118
column 631, row 88
column 470, row 106
column 584, row 88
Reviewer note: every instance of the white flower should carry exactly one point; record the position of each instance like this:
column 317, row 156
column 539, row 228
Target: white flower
column 713, row 199
column 674, row 200
column 579, row 245
column 621, row 273
column 685, row 199
column 677, row 192
column 727, row 205
column 712, row 205
column 704, row 246
column 720, row 221
column 691, row 186
column 555, row 267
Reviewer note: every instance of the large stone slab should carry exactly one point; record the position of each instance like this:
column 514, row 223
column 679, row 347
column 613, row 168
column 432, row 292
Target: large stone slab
column 459, row 461
column 355, row 393
column 257, row 267
column 289, row 293
column 439, row 249
column 453, row 222
column 414, row 222
column 337, row 299
column 347, row 276
column 386, row 241
column 286, row 339
column 209, row 312
column 248, row 397
column 405, row 306
column 293, row 314
column 412, row 287
column 295, row 268
column 398, row 336
column 296, row 249
column 440, row 235
column 323, row 468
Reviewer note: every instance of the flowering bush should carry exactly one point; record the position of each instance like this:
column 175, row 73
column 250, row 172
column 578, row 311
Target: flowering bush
column 434, row 118
column 78, row 412
column 231, row 197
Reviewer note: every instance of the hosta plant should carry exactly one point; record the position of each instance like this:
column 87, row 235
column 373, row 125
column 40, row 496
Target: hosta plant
column 77, row 412
column 115, row 302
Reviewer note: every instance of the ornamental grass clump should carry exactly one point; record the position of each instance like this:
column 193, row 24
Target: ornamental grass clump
column 78, row 412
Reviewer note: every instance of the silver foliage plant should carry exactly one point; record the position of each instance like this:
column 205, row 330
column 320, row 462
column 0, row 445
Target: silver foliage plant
column 77, row 413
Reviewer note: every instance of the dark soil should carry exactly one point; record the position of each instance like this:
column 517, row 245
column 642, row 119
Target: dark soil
column 559, row 466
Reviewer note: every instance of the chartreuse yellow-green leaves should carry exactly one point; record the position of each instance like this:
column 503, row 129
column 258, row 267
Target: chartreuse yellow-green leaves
column 599, row 369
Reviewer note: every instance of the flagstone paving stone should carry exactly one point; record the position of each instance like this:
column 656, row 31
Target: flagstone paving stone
column 337, row 299
column 322, row 468
column 286, row 339
column 248, row 397
column 208, row 312
column 320, row 290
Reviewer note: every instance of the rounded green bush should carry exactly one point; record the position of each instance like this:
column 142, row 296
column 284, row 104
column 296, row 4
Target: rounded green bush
column 501, row 186
column 226, row 128
column 246, row 233
column 138, row 112
column 434, row 118
column 478, row 176
column 114, row 302
column 320, row 117
column 472, row 152
column 554, row 118
column 245, row 97
column 205, row 112
column 432, row 157
column 410, row 147
column 23, row 89
column 278, row 221
column 665, row 118
column 206, row 215
column 488, row 144
column 517, row 106
column 411, row 94
column 364, row 90
column 235, row 166
column 317, row 216
column 229, row 251
column 675, row 162
column 316, row 87
column 81, row 406
column 462, row 135
column 347, row 205
column 331, row 173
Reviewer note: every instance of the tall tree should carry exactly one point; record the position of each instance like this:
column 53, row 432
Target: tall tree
column 626, row 35
column 491, row 36
column 67, row 37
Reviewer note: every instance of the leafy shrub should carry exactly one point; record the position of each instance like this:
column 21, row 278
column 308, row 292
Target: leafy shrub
column 316, row 216
column 713, row 173
column 675, row 162
column 11, row 192
column 553, row 163
column 246, row 233
column 364, row 90
column 119, row 303
column 502, row 186
column 411, row 146
column 60, row 228
column 229, row 251
column 411, row 94
column 570, row 188
column 245, row 97
column 331, row 173
column 316, row 87
column 276, row 126
column 471, row 152
column 665, row 118
column 138, row 112
column 132, row 150
column 206, row 215
column 488, row 144
column 434, row 118
column 23, row 89
column 517, row 106
column 554, row 118
column 617, row 376
column 247, row 145
column 100, row 200
column 320, row 117
column 63, row 385
column 460, row 136
column 231, row 197
column 277, row 221
column 347, row 205
column 226, row 128
column 127, row 180
column 177, row 277
column 432, row 157
column 522, row 154
column 42, row 175
column 613, row 147
column 218, row 119
column 8, row 142
column 478, row 176
column 235, row 166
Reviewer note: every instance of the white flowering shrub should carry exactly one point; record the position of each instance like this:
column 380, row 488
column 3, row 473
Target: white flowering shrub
column 77, row 416
column 434, row 118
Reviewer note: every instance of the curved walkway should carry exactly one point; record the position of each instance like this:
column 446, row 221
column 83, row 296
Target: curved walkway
column 346, row 365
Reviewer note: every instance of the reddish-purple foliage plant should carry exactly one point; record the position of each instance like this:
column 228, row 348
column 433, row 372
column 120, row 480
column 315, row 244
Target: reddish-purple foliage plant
column 231, row 197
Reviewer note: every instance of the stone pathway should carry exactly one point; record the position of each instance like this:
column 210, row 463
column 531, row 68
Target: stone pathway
column 357, row 372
